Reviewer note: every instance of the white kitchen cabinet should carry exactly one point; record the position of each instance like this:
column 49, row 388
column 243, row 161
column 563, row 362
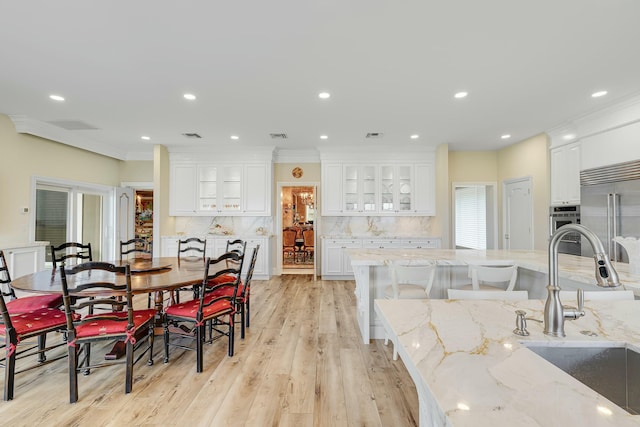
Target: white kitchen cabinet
column 420, row 243
column 335, row 261
column 216, row 246
column 565, row 175
column 381, row 243
column 360, row 189
column 332, row 189
column 378, row 189
column 229, row 189
column 424, row 189
column 182, row 189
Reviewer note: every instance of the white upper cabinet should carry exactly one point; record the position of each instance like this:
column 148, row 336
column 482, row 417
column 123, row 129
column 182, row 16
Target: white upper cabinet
column 565, row 175
column 378, row 189
column 220, row 189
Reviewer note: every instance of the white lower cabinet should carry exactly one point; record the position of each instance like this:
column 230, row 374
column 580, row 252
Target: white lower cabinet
column 335, row 261
column 25, row 260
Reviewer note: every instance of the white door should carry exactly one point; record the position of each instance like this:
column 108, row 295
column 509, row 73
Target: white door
column 126, row 212
column 518, row 225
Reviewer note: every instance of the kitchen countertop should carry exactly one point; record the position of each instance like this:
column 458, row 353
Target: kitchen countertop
column 577, row 268
column 471, row 370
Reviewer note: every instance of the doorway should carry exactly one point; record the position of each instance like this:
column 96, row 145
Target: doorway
column 518, row 214
column 475, row 219
column 297, row 229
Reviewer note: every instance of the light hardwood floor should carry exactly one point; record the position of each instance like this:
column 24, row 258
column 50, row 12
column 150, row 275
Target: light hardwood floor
column 302, row 364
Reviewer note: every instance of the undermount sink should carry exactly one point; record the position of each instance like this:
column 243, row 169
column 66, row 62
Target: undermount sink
column 613, row 372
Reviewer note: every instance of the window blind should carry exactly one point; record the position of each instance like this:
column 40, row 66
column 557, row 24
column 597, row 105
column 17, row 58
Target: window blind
column 471, row 217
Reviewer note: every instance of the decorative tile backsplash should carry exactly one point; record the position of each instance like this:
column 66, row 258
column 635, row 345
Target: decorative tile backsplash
column 335, row 226
column 224, row 225
column 377, row 226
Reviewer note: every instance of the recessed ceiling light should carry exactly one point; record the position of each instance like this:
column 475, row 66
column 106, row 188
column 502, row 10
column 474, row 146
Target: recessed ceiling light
column 599, row 94
column 235, row 137
column 414, row 136
column 189, row 96
column 461, row 95
column 569, row 137
column 324, row 137
column 56, row 97
column 146, row 138
column 505, row 136
column 324, row 95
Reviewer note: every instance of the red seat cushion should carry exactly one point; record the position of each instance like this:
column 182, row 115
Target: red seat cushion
column 35, row 321
column 228, row 291
column 113, row 327
column 26, row 304
column 225, row 278
column 189, row 309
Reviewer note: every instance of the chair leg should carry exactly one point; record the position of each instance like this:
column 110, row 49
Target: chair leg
column 87, row 352
column 166, row 341
column 73, row 374
column 200, row 331
column 42, row 344
column 151, row 338
column 231, row 335
column 242, row 320
column 129, row 370
column 248, row 311
column 9, row 373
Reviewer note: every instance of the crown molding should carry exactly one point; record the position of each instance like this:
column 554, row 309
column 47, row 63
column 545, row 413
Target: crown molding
column 27, row 125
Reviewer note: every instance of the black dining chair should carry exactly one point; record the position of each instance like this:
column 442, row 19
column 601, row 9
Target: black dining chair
column 129, row 325
column 70, row 253
column 208, row 308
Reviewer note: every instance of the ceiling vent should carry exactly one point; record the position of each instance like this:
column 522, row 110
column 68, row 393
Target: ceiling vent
column 192, row 135
column 374, row 135
column 73, row 125
column 278, row 135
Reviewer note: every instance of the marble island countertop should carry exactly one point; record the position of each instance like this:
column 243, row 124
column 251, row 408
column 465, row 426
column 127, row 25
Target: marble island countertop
column 579, row 269
column 471, row 370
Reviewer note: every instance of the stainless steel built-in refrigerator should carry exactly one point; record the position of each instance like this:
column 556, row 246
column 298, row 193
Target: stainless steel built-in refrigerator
column 610, row 205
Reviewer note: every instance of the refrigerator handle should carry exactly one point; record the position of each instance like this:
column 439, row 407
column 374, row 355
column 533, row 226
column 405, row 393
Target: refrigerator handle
column 609, row 207
column 614, row 198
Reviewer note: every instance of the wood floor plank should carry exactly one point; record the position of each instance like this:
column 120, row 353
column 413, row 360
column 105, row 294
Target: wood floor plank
column 302, row 363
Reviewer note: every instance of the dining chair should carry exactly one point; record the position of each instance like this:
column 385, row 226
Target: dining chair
column 498, row 275
column 488, row 295
column 239, row 246
column 309, row 244
column 70, row 253
column 192, row 249
column 102, row 280
column 289, row 246
column 193, row 315
column 409, row 281
column 136, row 248
column 243, row 293
column 24, row 304
column 15, row 331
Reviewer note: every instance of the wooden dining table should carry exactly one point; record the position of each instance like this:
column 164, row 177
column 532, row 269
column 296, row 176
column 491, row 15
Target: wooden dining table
column 151, row 275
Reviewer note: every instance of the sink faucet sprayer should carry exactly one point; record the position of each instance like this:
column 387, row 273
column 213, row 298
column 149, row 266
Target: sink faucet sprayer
column 606, row 276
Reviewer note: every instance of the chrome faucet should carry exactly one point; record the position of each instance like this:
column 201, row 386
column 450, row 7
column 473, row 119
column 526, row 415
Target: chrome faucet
column 606, row 276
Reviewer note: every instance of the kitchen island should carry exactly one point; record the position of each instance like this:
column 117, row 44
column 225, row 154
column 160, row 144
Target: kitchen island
column 470, row 369
column 370, row 268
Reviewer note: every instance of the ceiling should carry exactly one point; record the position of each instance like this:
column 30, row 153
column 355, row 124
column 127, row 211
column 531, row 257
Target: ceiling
column 257, row 67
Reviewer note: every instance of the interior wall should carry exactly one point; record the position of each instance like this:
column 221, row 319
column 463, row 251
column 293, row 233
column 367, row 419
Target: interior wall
column 24, row 156
column 165, row 225
column 529, row 158
column 440, row 225
column 136, row 171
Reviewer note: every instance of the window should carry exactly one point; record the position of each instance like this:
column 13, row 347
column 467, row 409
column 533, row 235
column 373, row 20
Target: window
column 471, row 217
column 73, row 212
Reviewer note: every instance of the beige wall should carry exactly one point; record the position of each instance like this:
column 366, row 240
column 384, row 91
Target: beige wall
column 441, row 222
column 529, row 158
column 24, row 156
column 282, row 172
column 165, row 225
column 136, row 171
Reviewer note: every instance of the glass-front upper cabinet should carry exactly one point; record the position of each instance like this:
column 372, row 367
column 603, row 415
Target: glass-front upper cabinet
column 360, row 192
column 208, row 186
column 231, row 188
column 396, row 187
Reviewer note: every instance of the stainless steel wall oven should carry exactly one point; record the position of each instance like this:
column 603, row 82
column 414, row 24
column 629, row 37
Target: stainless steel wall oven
column 563, row 215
